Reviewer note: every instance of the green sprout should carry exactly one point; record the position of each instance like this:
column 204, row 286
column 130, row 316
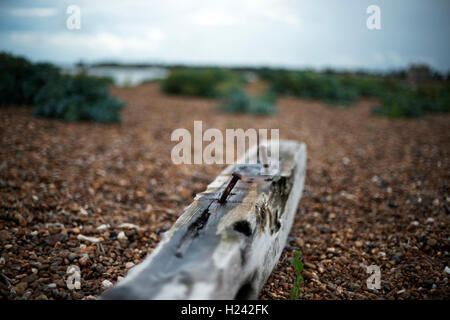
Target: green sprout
column 298, row 266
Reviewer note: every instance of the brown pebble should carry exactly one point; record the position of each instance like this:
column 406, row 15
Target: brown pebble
column 308, row 275
column 21, row 287
column 299, row 242
column 4, row 235
column 21, row 220
column 310, row 265
column 83, row 261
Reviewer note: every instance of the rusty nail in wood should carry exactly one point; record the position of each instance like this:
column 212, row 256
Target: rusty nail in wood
column 235, row 177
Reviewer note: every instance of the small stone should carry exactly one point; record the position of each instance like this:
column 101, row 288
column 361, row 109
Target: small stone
column 331, row 286
column 60, row 283
column 77, row 295
column 396, row 259
column 103, row 227
column 126, row 225
column 122, row 236
column 42, row 297
column 369, row 244
column 308, row 275
column 31, row 278
column 447, row 270
column 129, row 265
column 429, row 220
column 83, row 261
column 26, row 295
column 54, row 238
column 354, row 286
column 21, row 287
column 72, row 256
column 431, row 242
column 107, row 284
column 299, row 242
column 21, row 220
column 90, row 239
column 428, row 283
column 4, row 235
column 52, row 285
column 8, row 246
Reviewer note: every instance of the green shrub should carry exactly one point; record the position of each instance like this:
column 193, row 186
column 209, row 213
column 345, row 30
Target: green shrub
column 434, row 98
column 367, row 86
column 312, row 85
column 208, row 82
column 13, row 72
column 41, row 73
column 79, row 97
column 237, row 101
column 406, row 102
column 397, row 104
column 396, row 100
column 56, row 95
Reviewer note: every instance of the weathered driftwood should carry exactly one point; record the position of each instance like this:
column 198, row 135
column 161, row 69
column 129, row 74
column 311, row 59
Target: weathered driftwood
column 224, row 250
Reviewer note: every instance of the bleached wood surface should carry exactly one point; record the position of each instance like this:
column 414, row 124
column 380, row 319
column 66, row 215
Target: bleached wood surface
column 224, row 251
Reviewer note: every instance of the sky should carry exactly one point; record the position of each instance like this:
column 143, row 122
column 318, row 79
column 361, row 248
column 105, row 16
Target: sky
column 278, row 33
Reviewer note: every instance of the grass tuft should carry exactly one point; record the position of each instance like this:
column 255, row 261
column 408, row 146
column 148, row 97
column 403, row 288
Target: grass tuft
column 298, row 266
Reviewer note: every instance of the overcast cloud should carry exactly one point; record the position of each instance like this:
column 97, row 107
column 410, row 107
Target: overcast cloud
column 318, row 34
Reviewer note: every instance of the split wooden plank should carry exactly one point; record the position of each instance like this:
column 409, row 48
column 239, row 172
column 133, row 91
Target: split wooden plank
column 224, row 250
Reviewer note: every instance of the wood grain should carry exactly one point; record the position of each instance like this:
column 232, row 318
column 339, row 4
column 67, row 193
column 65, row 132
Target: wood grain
column 224, row 250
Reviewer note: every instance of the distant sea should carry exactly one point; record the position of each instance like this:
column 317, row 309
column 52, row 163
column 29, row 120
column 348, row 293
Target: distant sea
column 123, row 76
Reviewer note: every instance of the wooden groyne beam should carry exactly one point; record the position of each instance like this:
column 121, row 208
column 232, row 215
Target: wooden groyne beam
column 224, row 247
